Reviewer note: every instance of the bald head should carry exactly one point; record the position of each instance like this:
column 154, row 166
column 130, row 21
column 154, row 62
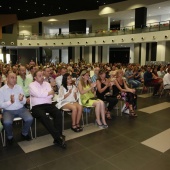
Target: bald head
column 11, row 79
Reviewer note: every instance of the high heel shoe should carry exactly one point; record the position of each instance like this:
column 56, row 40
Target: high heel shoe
column 100, row 126
column 105, row 126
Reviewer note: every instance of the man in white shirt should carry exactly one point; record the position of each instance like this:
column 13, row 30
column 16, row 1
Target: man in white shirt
column 59, row 78
column 41, row 94
column 12, row 102
column 166, row 80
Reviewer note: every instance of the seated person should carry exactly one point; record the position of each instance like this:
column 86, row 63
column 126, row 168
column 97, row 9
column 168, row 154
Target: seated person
column 150, row 81
column 103, row 93
column 88, row 98
column 68, row 100
column 166, row 80
column 12, row 102
column 40, row 97
column 129, row 74
column 120, row 88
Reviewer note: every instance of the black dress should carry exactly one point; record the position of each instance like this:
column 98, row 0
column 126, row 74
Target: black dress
column 130, row 98
column 112, row 101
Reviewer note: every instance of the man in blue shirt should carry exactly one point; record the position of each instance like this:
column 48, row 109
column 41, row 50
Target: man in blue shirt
column 12, row 102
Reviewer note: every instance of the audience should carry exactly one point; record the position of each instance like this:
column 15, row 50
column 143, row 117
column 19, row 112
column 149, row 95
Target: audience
column 12, row 102
column 68, row 100
column 121, row 90
column 59, row 78
column 103, row 93
column 41, row 95
column 87, row 97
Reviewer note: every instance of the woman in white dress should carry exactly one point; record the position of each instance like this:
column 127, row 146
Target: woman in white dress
column 67, row 99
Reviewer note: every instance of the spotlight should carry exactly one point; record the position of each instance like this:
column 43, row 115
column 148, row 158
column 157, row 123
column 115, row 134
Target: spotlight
column 3, row 43
column 132, row 39
column 95, row 41
column 46, row 43
column 112, row 40
column 103, row 41
column 38, row 44
column 166, row 36
column 29, row 43
column 70, row 42
column 62, row 43
column 154, row 37
column 12, row 43
column 78, row 42
column 142, row 38
column 20, row 43
column 54, row 43
column 86, row 42
column 122, row 39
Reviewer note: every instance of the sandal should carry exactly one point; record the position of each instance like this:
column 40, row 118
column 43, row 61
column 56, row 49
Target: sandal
column 74, row 128
column 79, row 127
column 132, row 113
column 108, row 116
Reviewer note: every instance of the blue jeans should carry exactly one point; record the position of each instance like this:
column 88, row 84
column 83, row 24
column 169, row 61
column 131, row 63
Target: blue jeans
column 9, row 115
column 134, row 83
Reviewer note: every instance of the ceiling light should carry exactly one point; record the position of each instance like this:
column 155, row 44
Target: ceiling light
column 42, row 13
column 52, row 20
column 159, row 7
column 18, row 9
column 59, row 8
column 35, row 12
column 35, row 2
column 66, row 9
column 26, row 1
column 43, row 4
column 0, row 6
column 49, row 14
column 27, row 10
column 9, row 7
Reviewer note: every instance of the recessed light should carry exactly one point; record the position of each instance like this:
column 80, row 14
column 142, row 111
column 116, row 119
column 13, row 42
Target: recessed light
column 66, row 9
column 0, row 6
column 35, row 2
column 42, row 13
column 18, row 9
column 159, row 7
column 35, row 12
column 9, row 7
column 59, row 8
column 43, row 4
column 27, row 10
column 26, row 1
column 49, row 14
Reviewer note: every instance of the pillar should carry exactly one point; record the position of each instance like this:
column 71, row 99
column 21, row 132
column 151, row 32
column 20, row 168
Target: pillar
column 131, row 59
column 77, row 54
column 105, row 55
column 143, row 53
column 160, row 53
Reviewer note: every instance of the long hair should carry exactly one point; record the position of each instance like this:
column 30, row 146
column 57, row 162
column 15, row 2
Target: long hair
column 64, row 80
column 82, row 79
column 100, row 73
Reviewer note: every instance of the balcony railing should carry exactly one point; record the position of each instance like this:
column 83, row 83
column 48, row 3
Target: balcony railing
column 151, row 27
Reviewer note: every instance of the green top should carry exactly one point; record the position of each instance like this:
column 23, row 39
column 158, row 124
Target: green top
column 85, row 97
column 24, row 84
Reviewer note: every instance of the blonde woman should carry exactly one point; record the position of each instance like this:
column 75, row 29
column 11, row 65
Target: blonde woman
column 87, row 96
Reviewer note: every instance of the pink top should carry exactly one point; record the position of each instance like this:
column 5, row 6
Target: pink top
column 39, row 93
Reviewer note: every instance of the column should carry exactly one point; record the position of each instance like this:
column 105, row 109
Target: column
column 88, row 54
column 160, row 53
column 131, row 59
column 143, row 53
column 140, row 17
column 96, row 54
column 105, row 58
column 77, row 54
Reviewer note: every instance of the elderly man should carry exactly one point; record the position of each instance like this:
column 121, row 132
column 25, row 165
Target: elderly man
column 40, row 97
column 12, row 102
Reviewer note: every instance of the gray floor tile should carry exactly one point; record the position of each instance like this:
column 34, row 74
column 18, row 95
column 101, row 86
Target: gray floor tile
column 77, row 161
column 104, row 165
column 133, row 158
column 112, row 146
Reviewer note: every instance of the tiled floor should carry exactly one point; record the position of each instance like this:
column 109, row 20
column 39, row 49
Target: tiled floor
column 128, row 144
